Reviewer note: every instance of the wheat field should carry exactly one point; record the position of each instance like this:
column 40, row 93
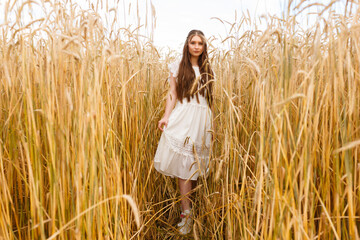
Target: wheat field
column 79, row 113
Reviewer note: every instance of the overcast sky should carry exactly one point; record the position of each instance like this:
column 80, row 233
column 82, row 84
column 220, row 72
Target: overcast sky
column 175, row 18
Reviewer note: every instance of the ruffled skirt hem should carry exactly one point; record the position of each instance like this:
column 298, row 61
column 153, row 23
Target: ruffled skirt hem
column 177, row 164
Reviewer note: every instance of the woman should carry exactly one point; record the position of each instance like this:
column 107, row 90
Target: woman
column 184, row 147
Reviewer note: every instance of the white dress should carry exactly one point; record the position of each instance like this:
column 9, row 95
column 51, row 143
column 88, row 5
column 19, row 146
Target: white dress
column 184, row 146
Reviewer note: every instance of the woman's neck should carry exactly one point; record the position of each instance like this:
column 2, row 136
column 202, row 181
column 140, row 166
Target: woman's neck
column 194, row 61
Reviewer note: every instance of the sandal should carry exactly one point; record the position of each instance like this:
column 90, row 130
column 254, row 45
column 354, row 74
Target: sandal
column 186, row 222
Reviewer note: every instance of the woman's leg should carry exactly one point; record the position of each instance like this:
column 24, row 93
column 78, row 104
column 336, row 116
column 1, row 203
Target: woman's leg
column 185, row 187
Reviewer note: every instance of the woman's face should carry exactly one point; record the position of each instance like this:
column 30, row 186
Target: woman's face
column 196, row 46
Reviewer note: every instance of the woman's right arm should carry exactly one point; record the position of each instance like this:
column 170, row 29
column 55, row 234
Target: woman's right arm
column 170, row 103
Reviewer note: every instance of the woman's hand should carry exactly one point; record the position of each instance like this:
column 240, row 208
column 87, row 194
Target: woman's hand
column 163, row 121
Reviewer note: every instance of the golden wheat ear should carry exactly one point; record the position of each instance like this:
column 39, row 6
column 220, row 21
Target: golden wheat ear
column 195, row 85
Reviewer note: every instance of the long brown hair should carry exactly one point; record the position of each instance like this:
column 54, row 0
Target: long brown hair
column 187, row 86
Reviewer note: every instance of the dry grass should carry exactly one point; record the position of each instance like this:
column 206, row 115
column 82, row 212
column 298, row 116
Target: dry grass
column 78, row 132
